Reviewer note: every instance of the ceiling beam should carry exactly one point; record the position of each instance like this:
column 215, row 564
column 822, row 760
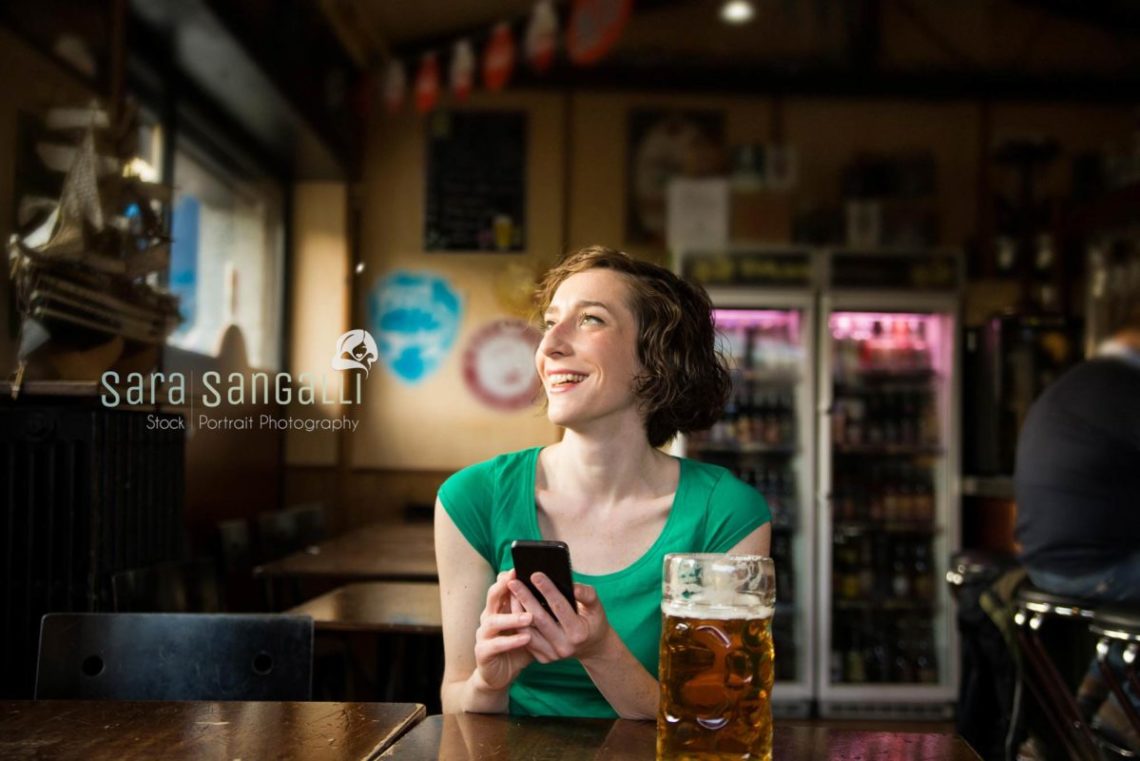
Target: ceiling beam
column 1117, row 16
column 823, row 80
column 443, row 42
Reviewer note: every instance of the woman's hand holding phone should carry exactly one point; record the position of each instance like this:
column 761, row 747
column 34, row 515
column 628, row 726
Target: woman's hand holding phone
column 503, row 636
column 572, row 631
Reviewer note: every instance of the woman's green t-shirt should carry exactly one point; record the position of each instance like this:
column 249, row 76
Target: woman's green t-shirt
column 492, row 503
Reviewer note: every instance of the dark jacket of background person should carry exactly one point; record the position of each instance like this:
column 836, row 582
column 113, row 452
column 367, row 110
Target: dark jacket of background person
column 1077, row 478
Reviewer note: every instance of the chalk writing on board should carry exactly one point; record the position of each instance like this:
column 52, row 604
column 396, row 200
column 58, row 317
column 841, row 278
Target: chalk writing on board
column 476, row 181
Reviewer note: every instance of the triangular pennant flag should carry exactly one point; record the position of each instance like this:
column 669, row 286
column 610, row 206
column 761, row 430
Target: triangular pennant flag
column 462, row 69
column 395, row 86
column 427, row 83
column 542, row 36
column 594, row 28
column 499, row 57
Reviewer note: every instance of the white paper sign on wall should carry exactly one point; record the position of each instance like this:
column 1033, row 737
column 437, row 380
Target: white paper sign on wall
column 697, row 214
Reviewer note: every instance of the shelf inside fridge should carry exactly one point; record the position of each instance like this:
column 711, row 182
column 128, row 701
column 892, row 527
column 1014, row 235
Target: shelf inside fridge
column 889, row 450
column 765, row 377
column 887, row 527
column 739, row 448
column 884, row 380
column 887, row 604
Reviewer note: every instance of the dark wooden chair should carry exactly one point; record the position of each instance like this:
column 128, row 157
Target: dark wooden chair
column 233, row 546
column 276, row 535
column 234, row 550
column 174, row 656
column 309, row 519
column 178, row 587
column 283, row 532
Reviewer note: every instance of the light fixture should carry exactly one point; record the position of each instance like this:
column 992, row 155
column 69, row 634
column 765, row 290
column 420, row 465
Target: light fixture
column 737, row 12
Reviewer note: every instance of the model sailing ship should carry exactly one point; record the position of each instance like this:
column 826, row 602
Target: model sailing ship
column 85, row 267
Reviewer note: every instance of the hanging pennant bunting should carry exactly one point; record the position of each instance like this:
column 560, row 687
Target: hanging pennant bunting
column 594, row 28
column 462, row 69
column 542, row 36
column 427, row 83
column 499, row 57
column 395, row 86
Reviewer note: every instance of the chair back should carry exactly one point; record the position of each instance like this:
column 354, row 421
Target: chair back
column 283, row 532
column 234, row 546
column 174, row 656
column 309, row 519
column 156, row 588
column 276, row 535
column 180, row 587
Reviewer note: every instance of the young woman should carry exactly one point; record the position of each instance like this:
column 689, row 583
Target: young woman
column 627, row 361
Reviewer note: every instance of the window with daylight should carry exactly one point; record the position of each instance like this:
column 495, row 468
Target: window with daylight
column 227, row 257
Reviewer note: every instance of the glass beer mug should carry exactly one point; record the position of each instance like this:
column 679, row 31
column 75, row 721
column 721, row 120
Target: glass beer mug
column 717, row 660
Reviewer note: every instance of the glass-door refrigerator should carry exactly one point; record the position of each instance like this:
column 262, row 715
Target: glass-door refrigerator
column 888, row 484
column 765, row 316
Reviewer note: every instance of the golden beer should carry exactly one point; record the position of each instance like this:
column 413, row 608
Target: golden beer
column 717, row 664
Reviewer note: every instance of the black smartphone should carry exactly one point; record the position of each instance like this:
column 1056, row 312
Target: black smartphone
column 552, row 558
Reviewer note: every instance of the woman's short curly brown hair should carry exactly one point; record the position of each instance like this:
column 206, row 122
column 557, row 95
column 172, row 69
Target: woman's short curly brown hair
column 684, row 382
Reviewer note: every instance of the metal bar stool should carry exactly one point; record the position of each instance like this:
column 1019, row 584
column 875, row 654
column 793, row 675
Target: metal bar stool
column 1122, row 626
column 1045, row 682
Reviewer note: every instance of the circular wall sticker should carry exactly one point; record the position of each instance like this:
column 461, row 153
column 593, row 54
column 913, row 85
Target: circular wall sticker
column 498, row 365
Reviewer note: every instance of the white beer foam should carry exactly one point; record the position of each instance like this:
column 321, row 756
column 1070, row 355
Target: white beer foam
column 719, row 608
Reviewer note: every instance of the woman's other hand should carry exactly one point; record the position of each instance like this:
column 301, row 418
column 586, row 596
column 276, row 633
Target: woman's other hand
column 572, row 632
column 502, row 638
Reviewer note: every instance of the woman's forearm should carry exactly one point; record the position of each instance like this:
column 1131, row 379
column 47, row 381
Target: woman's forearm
column 623, row 681
column 471, row 695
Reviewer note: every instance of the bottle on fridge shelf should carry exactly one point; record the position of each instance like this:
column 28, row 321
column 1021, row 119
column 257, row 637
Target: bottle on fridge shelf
column 854, row 667
column 736, row 346
column 923, row 583
column 904, row 667
column 925, row 662
column 900, row 579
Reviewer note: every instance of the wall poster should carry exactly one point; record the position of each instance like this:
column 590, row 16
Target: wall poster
column 414, row 317
column 664, row 144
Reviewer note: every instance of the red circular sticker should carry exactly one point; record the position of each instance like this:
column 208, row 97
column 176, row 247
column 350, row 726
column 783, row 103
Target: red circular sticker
column 499, row 57
column 594, row 28
column 498, row 365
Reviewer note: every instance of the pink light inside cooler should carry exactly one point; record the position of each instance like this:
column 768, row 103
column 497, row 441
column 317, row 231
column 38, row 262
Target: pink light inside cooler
column 896, row 330
column 766, row 319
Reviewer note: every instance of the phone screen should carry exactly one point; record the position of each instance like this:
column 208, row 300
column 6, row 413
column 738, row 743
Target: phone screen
column 549, row 557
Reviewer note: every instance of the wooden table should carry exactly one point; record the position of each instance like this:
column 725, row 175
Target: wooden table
column 472, row 737
column 402, row 607
column 112, row 729
column 378, row 552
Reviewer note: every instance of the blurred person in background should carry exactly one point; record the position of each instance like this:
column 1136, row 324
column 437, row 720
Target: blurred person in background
column 627, row 361
column 1077, row 483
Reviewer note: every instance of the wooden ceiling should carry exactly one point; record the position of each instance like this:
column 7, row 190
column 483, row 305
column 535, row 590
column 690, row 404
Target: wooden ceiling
column 1048, row 42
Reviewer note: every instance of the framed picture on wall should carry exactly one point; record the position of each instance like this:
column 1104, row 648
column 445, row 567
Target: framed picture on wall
column 476, row 181
column 664, row 144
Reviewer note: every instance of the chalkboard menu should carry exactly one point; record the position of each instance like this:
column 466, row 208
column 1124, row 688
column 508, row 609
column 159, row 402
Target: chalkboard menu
column 476, row 181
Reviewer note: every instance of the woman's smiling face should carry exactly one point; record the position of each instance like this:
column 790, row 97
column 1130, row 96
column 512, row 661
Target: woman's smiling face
column 587, row 359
